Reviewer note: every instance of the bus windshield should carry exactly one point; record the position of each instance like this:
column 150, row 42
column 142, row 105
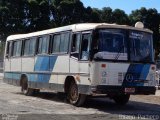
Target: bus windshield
column 117, row 44
column 111, row 44
column 141, row 46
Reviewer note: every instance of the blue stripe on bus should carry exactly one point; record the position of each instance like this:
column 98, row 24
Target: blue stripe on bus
column 15, row 76
column 136, row 72
column 45, row 63
column 145, row 72
column 43, row 78
column 34, row 77
column 8, row 75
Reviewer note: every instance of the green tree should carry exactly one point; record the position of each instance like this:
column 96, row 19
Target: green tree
column 12, row 16
column 4, row 15
column 38, row 15
column 106, row 15
column 95, row 16
column 22, row 16
column 120, row 17
column 65, row 12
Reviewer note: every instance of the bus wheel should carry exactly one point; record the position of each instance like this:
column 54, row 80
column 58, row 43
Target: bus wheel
column 74, row 97
column 24, row 87
column 121, row 99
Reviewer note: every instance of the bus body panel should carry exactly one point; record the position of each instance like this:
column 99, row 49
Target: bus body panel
column 16, row 64
column 112, row 76
column 7, row 64
column 28, row 64
column 47, row 76
column 74, row 66
column 62, row 64
column 122, row 74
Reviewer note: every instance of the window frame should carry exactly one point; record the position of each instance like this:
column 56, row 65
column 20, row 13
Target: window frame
column 8, row 49
column 24, row 47
column 90, row 43
column 52, row 43
column 75, row 33
column 30, row 40
column 37, row 45
column 64, row 40
column 12, row 48
column 36, row 53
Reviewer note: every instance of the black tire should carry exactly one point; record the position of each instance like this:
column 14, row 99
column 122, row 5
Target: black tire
column 36, row 91
column 74, row 97
column 121, row 99
column 24, row 87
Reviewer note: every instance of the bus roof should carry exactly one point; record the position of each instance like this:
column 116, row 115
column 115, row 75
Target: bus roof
column 74, row 28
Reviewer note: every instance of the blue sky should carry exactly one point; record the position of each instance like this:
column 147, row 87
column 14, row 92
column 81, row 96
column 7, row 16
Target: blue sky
column 126, row 5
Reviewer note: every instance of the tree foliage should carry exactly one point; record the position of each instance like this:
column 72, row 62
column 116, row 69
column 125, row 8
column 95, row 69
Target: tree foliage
column 22, row 16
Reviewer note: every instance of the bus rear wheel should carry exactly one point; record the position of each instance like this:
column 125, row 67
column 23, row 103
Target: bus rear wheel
column 74, row 97
column 24, row 87
column 121, row 99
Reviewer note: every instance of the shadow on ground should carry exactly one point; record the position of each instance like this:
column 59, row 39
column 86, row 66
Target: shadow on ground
column 106, row 105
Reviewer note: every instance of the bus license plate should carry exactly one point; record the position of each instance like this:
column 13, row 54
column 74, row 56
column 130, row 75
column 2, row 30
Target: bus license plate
column 129, row 90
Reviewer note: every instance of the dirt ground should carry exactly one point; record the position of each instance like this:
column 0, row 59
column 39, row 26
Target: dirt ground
column 48, row 106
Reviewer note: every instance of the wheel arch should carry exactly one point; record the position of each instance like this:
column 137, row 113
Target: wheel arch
column 67, row 83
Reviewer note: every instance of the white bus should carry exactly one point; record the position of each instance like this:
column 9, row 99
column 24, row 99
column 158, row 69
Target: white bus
column 83, row 60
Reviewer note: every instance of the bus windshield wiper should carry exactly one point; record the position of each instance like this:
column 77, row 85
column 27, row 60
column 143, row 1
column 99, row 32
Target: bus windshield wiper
column 119, row 52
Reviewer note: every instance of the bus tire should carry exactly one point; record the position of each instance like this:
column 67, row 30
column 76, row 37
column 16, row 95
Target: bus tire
column 36, row 91
column 121, row 99
column 74, row 97
column 24, row 87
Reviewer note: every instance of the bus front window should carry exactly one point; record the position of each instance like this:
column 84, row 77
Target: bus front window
column 111, row 45
column 140, row 46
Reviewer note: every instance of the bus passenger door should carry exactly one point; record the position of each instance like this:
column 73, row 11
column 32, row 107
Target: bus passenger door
column 84, row 69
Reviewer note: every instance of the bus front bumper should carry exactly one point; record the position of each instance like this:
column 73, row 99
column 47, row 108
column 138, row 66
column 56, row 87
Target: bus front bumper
column 137, row 90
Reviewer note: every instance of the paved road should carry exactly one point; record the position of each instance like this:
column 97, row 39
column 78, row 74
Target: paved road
column 47, row 106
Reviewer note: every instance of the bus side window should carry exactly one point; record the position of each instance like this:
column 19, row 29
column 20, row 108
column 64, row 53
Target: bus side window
column 85, row 46
column 75, row 45
column 43, row 44
column 64, row 42
column 32, row 46
column 29, row 46
column 17, row 45
column 26, row 47
column 56, row 43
